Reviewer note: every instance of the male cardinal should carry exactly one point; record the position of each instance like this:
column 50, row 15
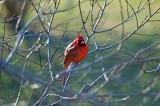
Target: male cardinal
column 75, row 52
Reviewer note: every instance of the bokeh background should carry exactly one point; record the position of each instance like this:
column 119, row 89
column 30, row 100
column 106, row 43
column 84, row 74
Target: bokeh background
column 122, row 67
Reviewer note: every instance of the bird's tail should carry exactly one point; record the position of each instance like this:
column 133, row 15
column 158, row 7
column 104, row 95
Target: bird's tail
column 64, row 80
column 66, row 70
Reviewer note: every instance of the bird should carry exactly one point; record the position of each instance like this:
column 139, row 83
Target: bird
column 75, row 52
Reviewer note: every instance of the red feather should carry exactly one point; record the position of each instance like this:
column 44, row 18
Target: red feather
column 75, row 52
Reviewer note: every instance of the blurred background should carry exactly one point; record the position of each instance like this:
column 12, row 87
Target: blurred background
column 122, row 67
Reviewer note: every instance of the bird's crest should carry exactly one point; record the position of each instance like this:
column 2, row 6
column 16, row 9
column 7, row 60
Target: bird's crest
column 79, row 37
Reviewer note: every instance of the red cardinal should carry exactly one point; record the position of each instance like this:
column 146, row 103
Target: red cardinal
column 75, row 52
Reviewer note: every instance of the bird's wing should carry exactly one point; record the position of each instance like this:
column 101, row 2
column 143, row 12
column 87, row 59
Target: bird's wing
column 70, row 54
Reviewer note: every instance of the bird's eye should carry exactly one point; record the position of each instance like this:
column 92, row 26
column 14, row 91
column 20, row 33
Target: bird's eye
column 81, row 43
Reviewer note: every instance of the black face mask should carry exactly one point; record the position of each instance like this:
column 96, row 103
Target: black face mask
column 81, row 43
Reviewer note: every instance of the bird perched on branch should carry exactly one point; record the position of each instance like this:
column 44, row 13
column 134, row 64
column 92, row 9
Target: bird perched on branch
column 75, row 52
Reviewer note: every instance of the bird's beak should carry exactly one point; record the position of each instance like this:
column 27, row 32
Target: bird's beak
column 82, row 42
